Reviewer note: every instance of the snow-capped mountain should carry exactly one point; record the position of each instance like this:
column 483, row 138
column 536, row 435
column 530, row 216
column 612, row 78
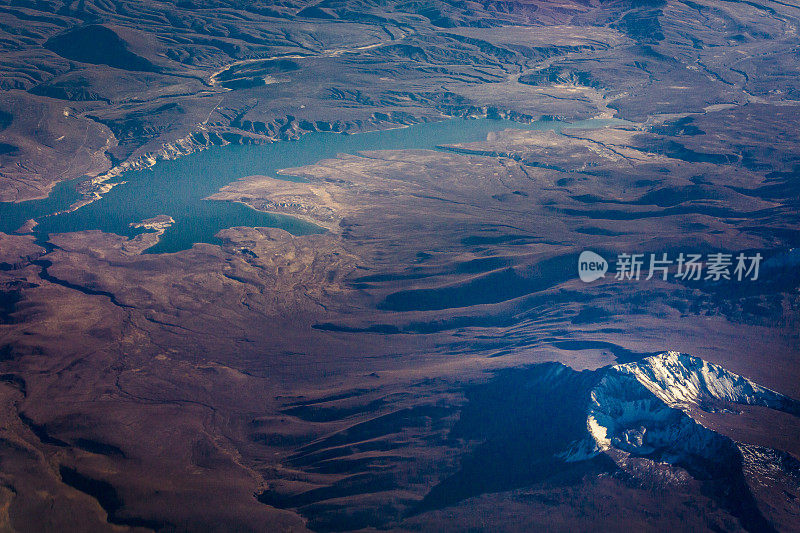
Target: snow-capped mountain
column 682, row 380
column 640, row 415
column 637, row 421
column 642, row 407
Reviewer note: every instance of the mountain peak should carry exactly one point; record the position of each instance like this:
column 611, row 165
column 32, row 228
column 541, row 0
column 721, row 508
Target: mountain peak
column 681, row 380
column 644, row 408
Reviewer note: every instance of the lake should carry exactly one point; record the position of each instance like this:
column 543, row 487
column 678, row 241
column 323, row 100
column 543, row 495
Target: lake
column 178, row 188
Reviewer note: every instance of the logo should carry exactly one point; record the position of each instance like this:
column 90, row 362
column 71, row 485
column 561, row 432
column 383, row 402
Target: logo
column 591, row 266
column 716, row 267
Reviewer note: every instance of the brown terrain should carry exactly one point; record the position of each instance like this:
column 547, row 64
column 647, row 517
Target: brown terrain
column 432, row 361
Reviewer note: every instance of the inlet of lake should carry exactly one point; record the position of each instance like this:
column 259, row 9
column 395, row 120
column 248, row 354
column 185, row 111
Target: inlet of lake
column 178, row 187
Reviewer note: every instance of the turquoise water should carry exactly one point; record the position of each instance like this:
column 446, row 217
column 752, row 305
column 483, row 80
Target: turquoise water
column 177, row 188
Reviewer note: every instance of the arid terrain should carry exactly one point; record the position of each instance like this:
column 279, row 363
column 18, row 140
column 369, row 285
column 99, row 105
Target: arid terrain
column 429, row 360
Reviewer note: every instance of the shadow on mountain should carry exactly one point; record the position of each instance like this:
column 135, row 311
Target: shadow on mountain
column 532, row 425
column 524, row 419
column 544, row 425
column 98, row 45
column 493, row 287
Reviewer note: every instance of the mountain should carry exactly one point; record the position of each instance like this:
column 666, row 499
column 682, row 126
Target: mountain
column 550, row 426
column 644, row 408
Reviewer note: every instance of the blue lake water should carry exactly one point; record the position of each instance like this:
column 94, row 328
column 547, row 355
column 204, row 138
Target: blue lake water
column 178, row 188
